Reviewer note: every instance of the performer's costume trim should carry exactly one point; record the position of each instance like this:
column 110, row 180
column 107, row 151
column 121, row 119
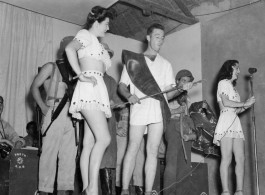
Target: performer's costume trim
column 228, row 123
column 142, row 78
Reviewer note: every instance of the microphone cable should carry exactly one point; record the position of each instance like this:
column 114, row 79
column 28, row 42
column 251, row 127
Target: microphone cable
column 157, row 193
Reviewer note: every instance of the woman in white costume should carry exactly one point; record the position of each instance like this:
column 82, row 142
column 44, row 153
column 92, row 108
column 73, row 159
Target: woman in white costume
column 228, row 133
column 90, row 101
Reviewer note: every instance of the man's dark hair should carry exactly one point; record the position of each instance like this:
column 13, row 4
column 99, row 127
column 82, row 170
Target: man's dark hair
column 155, row 26
column 2, row 98
column 31, row 123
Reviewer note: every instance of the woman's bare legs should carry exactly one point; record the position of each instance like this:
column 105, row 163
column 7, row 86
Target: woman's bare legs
column 155, row 132
column 239, row 152
column 99, row 127
column 88, row 143
column 226, row 152
column 136, row 133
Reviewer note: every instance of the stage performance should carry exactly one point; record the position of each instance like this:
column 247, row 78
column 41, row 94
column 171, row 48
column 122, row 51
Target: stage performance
column 132, row 97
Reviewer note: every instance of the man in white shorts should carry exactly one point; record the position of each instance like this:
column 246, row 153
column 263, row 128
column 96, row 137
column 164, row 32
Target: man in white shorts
column 149, row 113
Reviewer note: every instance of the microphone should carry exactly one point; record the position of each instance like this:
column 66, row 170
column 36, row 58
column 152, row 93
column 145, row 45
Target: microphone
column 252, row 70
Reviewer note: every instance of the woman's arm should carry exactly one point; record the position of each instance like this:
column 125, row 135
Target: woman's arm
column 232, row 104
column 71, row 52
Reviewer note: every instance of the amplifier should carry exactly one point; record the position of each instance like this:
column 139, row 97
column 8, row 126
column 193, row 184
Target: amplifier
column 19, row 172
column 4, row 175
column 199, row 179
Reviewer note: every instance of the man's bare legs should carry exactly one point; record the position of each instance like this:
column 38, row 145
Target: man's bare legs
column 136, row 133
column 99, row 129
column 155, row 132
column 239, row 152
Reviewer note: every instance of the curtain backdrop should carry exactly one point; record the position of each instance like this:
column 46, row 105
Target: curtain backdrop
column 25, row 43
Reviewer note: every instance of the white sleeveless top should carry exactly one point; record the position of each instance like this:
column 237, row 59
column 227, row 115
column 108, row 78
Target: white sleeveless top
column 91, row 48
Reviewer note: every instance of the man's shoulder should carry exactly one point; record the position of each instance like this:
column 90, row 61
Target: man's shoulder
column 49, row 64
column 47, row 68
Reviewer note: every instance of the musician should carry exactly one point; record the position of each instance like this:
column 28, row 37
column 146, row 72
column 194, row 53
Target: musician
column 146, row 73
column 177, row 167
column 32, row 138
column 59, row 141
column 7, row 133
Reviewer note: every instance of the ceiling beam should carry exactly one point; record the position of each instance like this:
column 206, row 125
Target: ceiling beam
column 184, row 8
column 151, row 7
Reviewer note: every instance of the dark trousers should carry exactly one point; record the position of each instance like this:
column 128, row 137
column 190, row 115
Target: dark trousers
column 176, row 166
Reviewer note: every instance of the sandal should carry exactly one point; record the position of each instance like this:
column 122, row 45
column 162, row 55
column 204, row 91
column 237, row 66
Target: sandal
column 225, row 192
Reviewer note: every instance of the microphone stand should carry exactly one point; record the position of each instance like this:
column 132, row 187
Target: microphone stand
column 254, row 137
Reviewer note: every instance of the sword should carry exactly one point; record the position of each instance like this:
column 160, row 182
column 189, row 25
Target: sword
column 166, row 91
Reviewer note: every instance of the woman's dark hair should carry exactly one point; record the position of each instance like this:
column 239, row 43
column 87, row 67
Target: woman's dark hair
column 154, row 26
column 226, row 72
column 99, row 14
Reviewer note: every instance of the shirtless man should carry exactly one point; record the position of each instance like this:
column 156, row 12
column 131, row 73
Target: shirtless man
column 59, row 141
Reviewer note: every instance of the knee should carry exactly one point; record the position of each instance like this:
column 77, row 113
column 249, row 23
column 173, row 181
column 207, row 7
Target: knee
column 133, row 148
column 226, row 159
column 88, row 144
column 152, row 149
column 103, row 140
column 240, row 160
column 106, row 140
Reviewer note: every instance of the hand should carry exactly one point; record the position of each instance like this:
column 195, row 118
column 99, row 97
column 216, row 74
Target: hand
column 7, row 142
column 18, row 145
column 45, row 110
column 187, row 86
column 181, row 109
column 204, row 105
column 189, row 137
column 133, row 99
column 250, row 101
column 90, row 79
column 122, row 132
